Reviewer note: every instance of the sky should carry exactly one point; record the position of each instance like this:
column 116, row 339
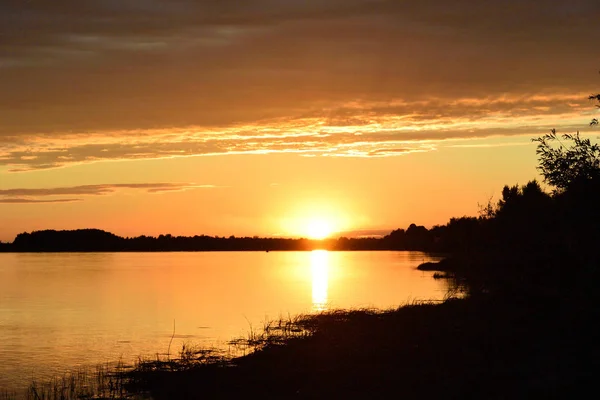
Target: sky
column 280, row 118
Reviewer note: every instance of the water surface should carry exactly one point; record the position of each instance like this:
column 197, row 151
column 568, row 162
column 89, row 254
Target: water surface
column 60, row 311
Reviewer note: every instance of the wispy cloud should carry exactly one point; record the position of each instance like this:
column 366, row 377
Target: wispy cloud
column 356, row 129
column 39, row 195
column 17, row 200
column 489, row 145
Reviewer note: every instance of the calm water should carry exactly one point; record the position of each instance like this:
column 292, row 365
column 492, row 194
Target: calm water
column 60, row 311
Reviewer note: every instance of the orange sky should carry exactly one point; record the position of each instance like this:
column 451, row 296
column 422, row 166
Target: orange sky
column 266, row 118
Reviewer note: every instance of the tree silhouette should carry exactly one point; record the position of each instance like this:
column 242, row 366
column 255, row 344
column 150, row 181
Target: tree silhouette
column 597, row 98
column 569, row 161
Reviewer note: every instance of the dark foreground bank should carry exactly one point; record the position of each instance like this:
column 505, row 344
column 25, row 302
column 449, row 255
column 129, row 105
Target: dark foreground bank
column 541, row 344
column 480, row 347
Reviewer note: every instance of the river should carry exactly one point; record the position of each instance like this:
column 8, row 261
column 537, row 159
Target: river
column 60, row 311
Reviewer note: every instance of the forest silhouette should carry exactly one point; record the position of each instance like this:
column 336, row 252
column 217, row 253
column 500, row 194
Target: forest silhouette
column 96, row 240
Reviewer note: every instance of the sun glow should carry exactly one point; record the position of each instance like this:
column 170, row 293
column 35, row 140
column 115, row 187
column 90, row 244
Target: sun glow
column 318, row 229
column 317, row 220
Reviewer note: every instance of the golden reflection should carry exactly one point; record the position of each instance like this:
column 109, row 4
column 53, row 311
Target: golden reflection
column 319, row 266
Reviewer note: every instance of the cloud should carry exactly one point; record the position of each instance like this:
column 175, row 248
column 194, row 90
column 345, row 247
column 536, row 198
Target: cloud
column 105, row 80
column 17, row 200
column 107, row 65
column 490, row 145
column 38, row 195
column 364, row 233
column 351, row 129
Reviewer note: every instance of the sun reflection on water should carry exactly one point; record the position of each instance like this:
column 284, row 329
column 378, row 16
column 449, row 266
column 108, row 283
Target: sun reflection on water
column 319, row 265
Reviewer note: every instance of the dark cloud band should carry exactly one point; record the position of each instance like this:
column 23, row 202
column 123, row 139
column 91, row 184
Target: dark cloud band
column 48, row 195
column 17, row 200
column 87, row 81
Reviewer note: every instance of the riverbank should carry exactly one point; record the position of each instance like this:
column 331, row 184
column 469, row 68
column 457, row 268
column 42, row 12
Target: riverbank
column 479, row 347
column 483, row 346
column 535, row 336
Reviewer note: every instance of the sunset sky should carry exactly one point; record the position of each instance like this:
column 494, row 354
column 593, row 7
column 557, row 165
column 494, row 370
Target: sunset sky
column 280, row 117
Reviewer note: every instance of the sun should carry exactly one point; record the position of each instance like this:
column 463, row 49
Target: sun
column 314, row 220
column 318, row 229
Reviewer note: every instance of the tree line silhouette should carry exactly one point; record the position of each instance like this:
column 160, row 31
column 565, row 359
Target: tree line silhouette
column 96, row 240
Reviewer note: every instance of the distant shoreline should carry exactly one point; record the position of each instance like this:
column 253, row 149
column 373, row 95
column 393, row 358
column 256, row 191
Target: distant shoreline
column 99, row 241
column 195, row 251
